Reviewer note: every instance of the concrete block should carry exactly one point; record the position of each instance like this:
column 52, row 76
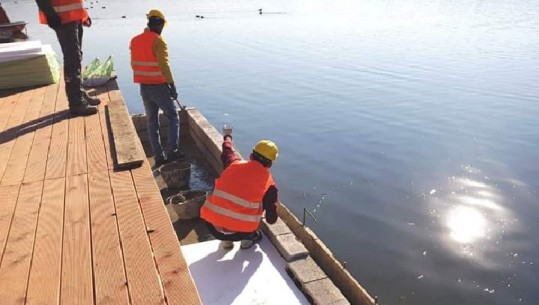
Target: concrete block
column 305, row 270
column 290, row 248
column 324, row 292
column 276, row 229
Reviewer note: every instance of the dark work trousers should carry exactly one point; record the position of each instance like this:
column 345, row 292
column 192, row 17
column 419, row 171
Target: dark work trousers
column 232, row 237
column 70, row 39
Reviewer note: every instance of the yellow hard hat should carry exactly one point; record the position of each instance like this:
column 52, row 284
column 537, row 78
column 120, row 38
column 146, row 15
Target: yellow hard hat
column 267, row 149
column 156, row 13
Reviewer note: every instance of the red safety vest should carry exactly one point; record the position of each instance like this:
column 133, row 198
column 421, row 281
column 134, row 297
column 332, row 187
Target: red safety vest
column 143, row 61
column 236, row 202
column 67, row 10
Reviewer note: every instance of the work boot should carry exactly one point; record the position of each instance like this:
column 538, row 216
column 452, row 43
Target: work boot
column 248, row 243
column 93, row 101
column 226, row 244
column 82, row 110
column 175, row 156
column 159, row 161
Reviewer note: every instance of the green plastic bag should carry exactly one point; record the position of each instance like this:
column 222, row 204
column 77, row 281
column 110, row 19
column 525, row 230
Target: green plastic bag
column 97, row 73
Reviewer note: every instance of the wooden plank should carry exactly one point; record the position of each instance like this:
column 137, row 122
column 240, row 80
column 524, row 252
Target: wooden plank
column 114, row 91
column 76, row 282
column 18, row 158
column 126, row 142
column 103, row 95
column 6, row 95
column 142, row 277
column 18, row 254
column 35, row 169
column 44, row 281
column 6, row 109
column 9, row 135
column 108, row 264
column 95, row 147
column 57, row 156
column 76, row 149
column 175, row 275
column 9, row 195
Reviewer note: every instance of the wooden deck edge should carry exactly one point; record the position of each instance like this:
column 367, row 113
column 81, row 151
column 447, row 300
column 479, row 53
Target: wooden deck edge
column 209, row 141
column 128, row 154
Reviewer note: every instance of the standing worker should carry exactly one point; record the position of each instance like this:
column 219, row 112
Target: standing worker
column 243, row 191
column 66, row 18
column 149, row 60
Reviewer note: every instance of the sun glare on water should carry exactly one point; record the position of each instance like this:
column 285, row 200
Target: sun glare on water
column 466, row 224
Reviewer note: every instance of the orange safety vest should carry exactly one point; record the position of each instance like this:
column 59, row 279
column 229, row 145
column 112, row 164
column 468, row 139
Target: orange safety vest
column 145, row 65
column 236, row 202
column 67, row 10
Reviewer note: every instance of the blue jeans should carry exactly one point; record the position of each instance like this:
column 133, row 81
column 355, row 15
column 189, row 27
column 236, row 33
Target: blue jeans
column 157, row 97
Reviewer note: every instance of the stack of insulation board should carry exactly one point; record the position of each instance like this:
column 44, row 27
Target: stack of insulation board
column 27, row 63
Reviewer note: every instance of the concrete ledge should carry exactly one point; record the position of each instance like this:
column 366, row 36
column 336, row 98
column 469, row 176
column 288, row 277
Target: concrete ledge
column 349, row 286
column 206, row 137
column 324, row 292
column 305, row 270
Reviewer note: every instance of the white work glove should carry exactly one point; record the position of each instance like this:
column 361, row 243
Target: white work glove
column 227, row 130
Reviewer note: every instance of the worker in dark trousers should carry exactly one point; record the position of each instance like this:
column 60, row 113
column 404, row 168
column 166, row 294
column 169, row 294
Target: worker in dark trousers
column 151, row 69
column 242, row 193
column 66, row 18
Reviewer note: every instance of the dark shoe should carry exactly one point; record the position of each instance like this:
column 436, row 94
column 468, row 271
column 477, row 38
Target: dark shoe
column 159, row 162
column 248, row 243
column 226, row 244
column 175, row 156
column 90, row 100
column 82, row 110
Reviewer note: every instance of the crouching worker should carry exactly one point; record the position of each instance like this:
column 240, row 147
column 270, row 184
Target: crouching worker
column 242, row 193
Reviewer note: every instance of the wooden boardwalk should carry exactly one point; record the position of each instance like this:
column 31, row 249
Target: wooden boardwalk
column 72, row 230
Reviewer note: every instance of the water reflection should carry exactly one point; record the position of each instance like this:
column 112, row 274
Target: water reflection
column 474, row 212
column 466, row 224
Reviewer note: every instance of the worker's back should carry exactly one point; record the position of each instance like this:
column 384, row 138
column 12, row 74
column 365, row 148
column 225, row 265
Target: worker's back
column 143, row 60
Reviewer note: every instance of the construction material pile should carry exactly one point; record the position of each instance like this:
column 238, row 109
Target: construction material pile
column 27, row 63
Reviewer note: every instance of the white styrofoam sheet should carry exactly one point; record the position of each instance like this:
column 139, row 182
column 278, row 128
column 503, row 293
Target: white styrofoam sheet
column 241, row 277
column 22, row 50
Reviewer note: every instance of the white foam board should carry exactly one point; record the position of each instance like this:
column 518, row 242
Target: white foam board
column 22, row 50
column 237, row 276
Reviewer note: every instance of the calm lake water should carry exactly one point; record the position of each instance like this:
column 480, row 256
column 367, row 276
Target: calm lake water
column 409, row 128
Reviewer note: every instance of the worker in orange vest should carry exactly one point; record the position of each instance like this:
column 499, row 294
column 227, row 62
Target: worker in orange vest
column 66, row 18
column 242, row 193
column 151, row 69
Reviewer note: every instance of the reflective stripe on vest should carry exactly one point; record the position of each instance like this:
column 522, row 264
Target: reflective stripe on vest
column 231, row 214
column 67, row 10
column 145, row 63
column 67, row 7
column 237, row 200
column 146, row 73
